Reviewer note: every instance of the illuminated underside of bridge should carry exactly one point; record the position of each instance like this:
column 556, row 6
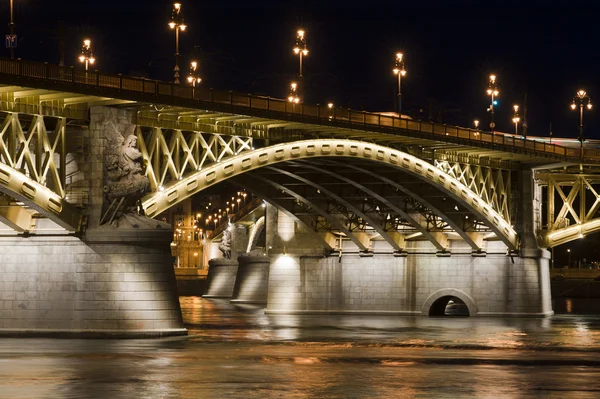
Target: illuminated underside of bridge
column 182, row 131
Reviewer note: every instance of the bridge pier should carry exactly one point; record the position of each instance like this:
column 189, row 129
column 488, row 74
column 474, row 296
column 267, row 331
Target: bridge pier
column 302, row 279
column 222, row 272
column 221, row 278
column 109, row 285
column 252, row 279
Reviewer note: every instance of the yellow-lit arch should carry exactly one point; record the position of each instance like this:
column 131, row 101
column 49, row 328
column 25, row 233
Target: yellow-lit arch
column 573, row 232
column 39, row 197
column 178, row 191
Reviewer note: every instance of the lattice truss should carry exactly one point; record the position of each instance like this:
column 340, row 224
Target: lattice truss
column 492, row 185
column 348, row 201
column 169, row 154
column 570, row 199
column 35, row 145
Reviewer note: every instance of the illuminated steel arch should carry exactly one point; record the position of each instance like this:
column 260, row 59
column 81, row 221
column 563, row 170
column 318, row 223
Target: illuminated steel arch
column 38, row 197
column 178, row 191
column 573, row 205
column 33, row 170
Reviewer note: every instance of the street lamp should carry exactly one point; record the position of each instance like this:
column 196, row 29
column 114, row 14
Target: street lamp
column 11, row 29
column 476, row 124
column 493, row 92
column 569, row 252
column 300, row 47
column 87, row 56
column 293, row 96
column 516, row 118
column 193, row 77
column 400, row 71
column 582, row 99
column 177, row 23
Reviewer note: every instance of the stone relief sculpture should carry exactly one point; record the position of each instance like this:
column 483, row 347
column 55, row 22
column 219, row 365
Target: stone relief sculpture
column 124, row 177
column 225, row 245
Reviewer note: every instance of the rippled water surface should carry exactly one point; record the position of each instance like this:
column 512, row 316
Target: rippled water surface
column 239, row 352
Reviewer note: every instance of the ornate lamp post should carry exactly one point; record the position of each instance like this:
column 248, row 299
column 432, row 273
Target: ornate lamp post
column 193, row 76
column 177, row 24
column 300, row 47
column 493, row 92
column 11, row 28
column 87, row 56
column 293, row 96
column 400, row 71
column 582, row 99
column 516, row 118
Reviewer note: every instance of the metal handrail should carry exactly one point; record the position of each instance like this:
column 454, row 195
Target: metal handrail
column 234, row 217
column 311, row 113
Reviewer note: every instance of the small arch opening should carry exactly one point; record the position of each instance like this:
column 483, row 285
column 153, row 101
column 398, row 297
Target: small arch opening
column 449, row 306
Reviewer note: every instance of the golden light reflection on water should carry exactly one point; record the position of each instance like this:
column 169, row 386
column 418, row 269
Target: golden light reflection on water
column 219, row 321
column 237, row 352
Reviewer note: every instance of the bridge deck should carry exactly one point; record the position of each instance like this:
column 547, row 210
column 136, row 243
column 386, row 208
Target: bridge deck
column 65, row 91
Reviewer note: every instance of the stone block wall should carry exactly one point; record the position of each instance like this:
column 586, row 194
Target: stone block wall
column 63, row 286
column 221, row 278
column 252, row 280
column 490, row 286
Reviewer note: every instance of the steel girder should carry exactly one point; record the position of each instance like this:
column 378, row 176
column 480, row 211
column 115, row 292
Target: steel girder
column 454, row 220
column 171, row 154
column 188, row 185
column 347, row 204
column 33, row 167
column 328, row 240
column 572, row 204
column 356, row 238
column 491, row 184
column 412, row 217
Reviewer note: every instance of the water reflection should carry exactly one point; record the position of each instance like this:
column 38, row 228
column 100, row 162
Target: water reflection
column 239, row 352
column 217, row 320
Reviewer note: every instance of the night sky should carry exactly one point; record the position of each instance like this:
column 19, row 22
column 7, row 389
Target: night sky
column 450, row 49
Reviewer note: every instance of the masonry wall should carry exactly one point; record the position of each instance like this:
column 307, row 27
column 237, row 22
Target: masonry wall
column 221, row 278
column 61, row 285
column 252, row 279
column 491, row 285
column 303, row 279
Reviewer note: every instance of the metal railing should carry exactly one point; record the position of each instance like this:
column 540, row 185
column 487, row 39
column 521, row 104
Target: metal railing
column 235, row 217
column 314, row 114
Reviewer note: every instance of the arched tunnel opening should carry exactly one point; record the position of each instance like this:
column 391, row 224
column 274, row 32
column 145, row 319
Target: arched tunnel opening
column 449, row 306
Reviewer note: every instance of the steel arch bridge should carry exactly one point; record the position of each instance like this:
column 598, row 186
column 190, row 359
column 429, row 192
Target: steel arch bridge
column 375, row 175
column 386, row 214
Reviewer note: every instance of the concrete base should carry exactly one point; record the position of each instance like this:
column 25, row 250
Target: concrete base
column 117, row 284
column 221, row 278
column 495, row 285
column 252, row 281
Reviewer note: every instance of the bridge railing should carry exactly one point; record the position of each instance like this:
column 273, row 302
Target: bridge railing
column 312, row 113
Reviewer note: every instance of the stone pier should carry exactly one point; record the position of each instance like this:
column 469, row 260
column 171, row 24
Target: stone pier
column 116, row 278
column 221, row 278
column 252, row 280
column 304, row 279
column 111, row 285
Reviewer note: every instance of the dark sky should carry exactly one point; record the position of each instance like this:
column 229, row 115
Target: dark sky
column 450, row 48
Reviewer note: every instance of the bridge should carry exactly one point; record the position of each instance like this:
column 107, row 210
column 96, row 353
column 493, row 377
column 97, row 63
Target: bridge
column 357, row 200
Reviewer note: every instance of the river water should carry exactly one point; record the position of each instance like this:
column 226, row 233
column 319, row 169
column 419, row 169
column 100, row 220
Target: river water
column 239, row 352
